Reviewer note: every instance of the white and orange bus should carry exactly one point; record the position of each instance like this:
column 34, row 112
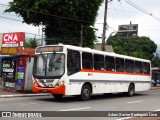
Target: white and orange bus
column 70, row 70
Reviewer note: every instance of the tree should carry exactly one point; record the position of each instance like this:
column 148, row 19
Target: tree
column 156, row 61
column 31, row 43
column 141, row 47
column 62, row 18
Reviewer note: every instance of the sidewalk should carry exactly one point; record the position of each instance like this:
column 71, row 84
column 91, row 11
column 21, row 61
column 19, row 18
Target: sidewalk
column 155, row 87
column 6, row 94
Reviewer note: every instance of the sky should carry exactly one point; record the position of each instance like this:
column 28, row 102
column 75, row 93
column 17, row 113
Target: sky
column 122, row 13
column 119, row 13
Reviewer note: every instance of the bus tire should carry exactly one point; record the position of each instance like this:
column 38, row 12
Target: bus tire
column 58, row 96
column 130, row 90
column 85, row 92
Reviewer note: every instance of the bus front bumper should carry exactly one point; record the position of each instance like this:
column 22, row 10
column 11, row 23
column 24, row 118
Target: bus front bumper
column 56, row 90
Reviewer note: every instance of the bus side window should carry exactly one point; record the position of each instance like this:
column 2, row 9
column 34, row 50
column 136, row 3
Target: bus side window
column 129, row 65
column 119, row 64
column 73, row 62
column 146, row 68
column 87, row 60
column 138, row 67
column 110, row 63
column 98, row 62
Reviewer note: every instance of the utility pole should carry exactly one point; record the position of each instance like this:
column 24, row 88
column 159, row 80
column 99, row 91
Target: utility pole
column 104, row 26
column 129, row 51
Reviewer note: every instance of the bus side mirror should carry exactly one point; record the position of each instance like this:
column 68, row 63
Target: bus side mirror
column 29, row 59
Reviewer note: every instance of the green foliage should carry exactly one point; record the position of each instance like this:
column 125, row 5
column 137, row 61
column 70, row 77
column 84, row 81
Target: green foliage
column 141, row 47
column 156, row 61
column 31, row 43
column 62, row 18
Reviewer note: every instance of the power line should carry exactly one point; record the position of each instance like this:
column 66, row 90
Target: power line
column 122, row 9
column 19, row 21
column 8, row 14
column 62, row 17
column 11, row 19
column 112, row 28
column 115, row 10
column 141, row 9
column 32, row 34
column 22, row 21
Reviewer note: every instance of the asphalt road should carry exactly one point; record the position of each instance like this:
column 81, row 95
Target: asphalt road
column 141, row 101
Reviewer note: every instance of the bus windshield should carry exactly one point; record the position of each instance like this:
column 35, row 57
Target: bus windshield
column 49, row 65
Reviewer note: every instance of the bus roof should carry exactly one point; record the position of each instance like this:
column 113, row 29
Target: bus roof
column 82, row 49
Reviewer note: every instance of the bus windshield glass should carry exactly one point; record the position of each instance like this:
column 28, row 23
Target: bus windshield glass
column 48, row 65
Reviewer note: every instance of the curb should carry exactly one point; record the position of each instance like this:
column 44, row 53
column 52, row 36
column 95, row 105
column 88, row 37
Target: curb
column 24, row 95
column 154, row 88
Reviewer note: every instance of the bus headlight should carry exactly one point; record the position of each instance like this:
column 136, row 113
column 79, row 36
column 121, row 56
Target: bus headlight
column 60, row 83
column 35, row 84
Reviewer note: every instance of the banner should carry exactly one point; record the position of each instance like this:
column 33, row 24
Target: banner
column 15, row 39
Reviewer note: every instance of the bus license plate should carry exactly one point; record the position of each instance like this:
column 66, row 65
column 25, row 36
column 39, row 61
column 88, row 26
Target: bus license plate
column 44, row 91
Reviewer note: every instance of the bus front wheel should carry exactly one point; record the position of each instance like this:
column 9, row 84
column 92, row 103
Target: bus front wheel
column 85, row 92
column 57, row 96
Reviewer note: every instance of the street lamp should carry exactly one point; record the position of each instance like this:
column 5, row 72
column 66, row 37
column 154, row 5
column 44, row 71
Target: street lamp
column 110, row 35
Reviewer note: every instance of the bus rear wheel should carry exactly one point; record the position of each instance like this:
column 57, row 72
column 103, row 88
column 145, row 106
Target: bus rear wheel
column 130, row 90
column 85, row 92
column 58, row 96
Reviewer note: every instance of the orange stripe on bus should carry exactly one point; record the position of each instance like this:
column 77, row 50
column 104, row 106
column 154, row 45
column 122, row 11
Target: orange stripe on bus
column 113, row 72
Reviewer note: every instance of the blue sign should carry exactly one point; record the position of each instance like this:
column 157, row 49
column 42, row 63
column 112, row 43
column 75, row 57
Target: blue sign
column 20, row 67
column 20, row 82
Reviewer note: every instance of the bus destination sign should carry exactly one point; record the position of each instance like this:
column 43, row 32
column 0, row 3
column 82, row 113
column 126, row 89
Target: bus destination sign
column 49, row 49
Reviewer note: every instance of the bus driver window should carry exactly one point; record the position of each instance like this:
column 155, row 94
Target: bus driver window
column 73, row 62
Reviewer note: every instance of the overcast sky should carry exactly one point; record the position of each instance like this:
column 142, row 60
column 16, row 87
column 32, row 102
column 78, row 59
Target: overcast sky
column 119, row 12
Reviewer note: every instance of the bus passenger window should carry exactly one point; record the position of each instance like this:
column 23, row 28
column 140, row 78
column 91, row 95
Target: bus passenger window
column 129, row 65
column 138, row 67
column 73, row 62
column 98, row 62
column 119, row 64
column 146, row 68
column 110, row 63
column 87, row 60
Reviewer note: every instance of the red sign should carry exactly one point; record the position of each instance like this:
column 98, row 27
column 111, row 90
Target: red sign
column 15, row 39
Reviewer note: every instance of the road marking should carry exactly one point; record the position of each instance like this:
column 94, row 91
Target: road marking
column 76, row 109
column 157, row 110
column 28, row 104
column 135, row 101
